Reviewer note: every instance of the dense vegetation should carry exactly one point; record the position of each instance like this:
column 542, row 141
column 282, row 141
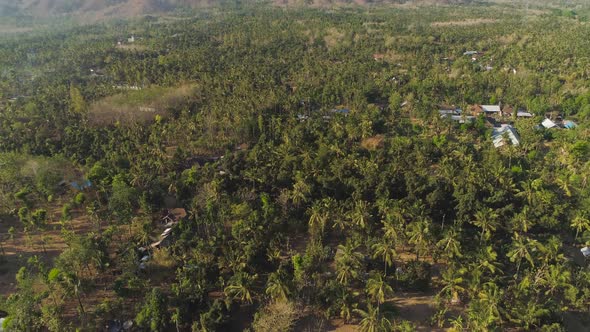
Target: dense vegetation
column 297, row 215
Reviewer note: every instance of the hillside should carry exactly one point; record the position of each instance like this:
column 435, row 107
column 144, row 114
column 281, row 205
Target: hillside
column 130, row 8
column 108, row 8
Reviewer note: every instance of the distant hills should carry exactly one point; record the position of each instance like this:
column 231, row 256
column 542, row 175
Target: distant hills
column 97, row 9
column 94, row 10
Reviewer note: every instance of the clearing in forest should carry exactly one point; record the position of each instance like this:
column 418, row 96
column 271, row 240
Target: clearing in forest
column 139, row 105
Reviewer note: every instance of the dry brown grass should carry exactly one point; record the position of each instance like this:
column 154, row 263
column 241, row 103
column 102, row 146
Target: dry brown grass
column 373, row 143
column 138, row 106
column 276, row 316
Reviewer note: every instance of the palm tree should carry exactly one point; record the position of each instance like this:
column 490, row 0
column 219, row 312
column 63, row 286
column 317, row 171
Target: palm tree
column 487, row 259
column 450, row 243
column 348, row 263
column 386, row 250
column 555, row 277
column 361, row 214
column 520, row 250
column 453, row 281
column 490, row 297
column 344, row 301
column 487, row 220
column 300, row 192
column 529, row 191
column 579, row 224
column 522, row 222
column 317, row 218
column 239, row 288
column 391, row 231
column 419, row 235
column 318, row 215
column 372, row 320
column 276, row 288
column 378, row 289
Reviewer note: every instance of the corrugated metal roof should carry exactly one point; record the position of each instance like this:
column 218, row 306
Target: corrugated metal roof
column 491, row 108
column 547, row 123
column 499, row 132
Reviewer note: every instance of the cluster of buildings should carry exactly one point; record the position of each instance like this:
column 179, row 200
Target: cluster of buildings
column 170, row 219
column 499, row 118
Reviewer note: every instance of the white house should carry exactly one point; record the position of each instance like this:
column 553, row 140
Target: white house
column 493, row 109
column 505, row 130
column 548, row 123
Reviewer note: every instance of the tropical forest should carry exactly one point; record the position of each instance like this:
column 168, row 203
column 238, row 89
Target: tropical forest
column 369, row 166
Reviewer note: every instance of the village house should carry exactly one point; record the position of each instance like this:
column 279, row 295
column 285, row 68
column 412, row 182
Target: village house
column 492, row 110
column 499, row 135
column 173, row 216
column 508, row 111
column 548, row 124
column 569, row 124
column 487, row 110
column 455, row 114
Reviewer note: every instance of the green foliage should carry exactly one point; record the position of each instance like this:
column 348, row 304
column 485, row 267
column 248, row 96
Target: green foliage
column 307, row 205
column 39, row 218
column 414, row 275
column 66, row 211
column 79, row 199
column 153, row 315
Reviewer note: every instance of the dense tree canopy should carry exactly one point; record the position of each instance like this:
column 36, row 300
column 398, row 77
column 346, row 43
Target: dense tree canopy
column 318, row 178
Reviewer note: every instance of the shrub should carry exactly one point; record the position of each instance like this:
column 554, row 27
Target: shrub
column 415, row 276
column 79, row 199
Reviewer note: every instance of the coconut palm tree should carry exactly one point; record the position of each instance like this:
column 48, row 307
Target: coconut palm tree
column 372, row 320
column 521, row 249
column 487, row 220
column 580, row 223
column 348, row 263
column 276, row 288
column 361, row 215
column 239, row 288
column 418, row 234
column 317, row 218
column 453, row 281
column 386, row 250
column 378, row 288
column 522, row 222
column 450, row 243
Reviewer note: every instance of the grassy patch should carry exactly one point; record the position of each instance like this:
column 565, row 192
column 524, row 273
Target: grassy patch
column 139, row 105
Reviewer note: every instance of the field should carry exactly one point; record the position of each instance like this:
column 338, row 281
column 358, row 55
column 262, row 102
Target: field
column 138, row 106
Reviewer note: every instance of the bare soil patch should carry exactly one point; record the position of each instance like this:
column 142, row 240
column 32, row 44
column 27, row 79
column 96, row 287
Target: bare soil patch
column 46, row 244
